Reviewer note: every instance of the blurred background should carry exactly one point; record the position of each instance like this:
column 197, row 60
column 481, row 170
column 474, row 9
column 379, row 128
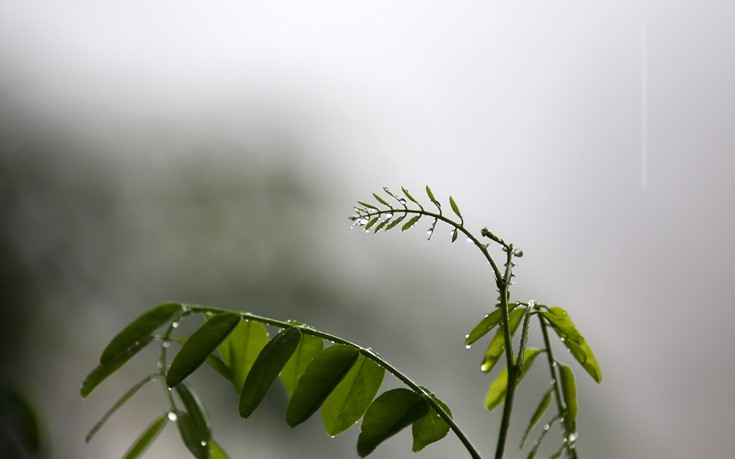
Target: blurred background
column 211, row 153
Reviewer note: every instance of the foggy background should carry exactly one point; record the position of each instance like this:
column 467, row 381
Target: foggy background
column 154, row 151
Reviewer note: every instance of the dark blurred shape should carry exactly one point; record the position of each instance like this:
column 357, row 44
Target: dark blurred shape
column 20, row 427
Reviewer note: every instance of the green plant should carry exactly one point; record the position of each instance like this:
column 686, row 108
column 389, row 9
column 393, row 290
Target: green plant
column 343, row 379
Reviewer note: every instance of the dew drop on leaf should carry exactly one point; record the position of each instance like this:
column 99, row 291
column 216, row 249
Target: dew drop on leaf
column 402, row 201
column 203, row 443
column 468, row 346
column 175, row 325
column 172, row 416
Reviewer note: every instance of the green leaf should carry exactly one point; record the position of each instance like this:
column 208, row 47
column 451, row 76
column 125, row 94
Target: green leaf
column 103, row 370
column 394, row 222
column 408, row 195
column 195, row 409
column 192, row 436
column 19, row 416
column 216, row 451
column 381, row 200
column 573, row 340
column 132, row 391
column 454, row 207
column 410, row 223
column 381, row 225
column 199, row 345
column 352, row 396
column 454, row 235
column 139, row 328
column 569, row 393
column 266, row 368
column 146, row 438
column 497, row 345
column 485, row 325
column 496, row 394
column 432, row 198
column 538, row 414
column 371, row 223
column 390, row 413
column 322, row 375
column 308, row 348
column 240, row 349
column 430, row 428
column 369, row 206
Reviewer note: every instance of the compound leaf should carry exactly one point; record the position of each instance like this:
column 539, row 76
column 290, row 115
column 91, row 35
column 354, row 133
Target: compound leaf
column 390, row 413
column 573, row 340
column 146, row 438
column 103, row 370
column 199, row 345
column 430, row 428
column 139, row 328
column 499, row 387
column 497, row 345
column 266, row 368
column 240, row 349
column 308, row 348
column 352, row 396
column 320, row 378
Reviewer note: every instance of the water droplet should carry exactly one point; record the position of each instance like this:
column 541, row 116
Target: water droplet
column 468, row 346
column 429, row 231
column 572, row 437
column 203, row 443
column 547, row 426
column 469, row 240
column 159, row 364
column 332, row 436
column 553, row 381
column 518, row 253
column 402, row 200
column 485, row 367
column 388, row 216
column 172, row 416
column 175, row 325
column 166, row 344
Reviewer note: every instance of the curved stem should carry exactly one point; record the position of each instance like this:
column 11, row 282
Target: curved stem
column 368, row 353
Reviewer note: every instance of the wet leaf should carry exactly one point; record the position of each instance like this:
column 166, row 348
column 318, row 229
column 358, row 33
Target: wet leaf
column 430, row 428
column 266, row 368
column 216, row 451
column 394, row 222
column 484, row 326
column 569, row 393
column 352, row 396
column 411, row 198
column 410, row 223
column 308, row 348
column 432, row 198
column 132, row 391
column 454, row 207
column 199, row 345
column 103, row 370
column 454, row 235
column 371, row 223
column 196, row 411
column 496, row 394
column 369, row 206
column 191, row 435
column 497, row 346
column 573, row 340
column 390, row 413
column 147, row 437
column 240, row 349
column 140, row 328
column 320, row 378
column 381, row 200
column 538, row 414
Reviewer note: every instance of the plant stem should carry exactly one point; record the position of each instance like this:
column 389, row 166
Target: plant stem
column 572, row 453
column 503, row 285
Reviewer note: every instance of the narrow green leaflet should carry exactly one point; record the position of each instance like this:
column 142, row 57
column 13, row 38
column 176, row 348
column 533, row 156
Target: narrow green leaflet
column 411, row 198
column 390, row 413
column 352, row 396
column 496, row 394
column 369, row 206
column 132, row 391
column 266, row 368
column 381, row 200
column 193, row 437
column 146, row 438
column 216, row 451
column 432, row 198
column 240, row 349
column 455, row 208
column 140, row 328
column 199, row 345
column 394, row 222
column 569, row 392
column 538, row 414
column 430, row 428
column 308, row 348
column 322, row 375
column 486, row 324
column 371, row 223
column 103, row 370
column 195, row 409
column 573, row 340
column 406, row 226
column 380, row 226
column 497, row 345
